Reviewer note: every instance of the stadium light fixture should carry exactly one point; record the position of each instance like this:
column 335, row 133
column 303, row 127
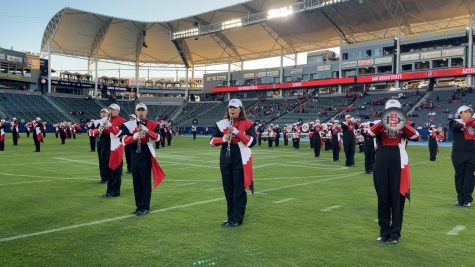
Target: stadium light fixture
column 280, row 12
column 186, row 33
column 233, row 23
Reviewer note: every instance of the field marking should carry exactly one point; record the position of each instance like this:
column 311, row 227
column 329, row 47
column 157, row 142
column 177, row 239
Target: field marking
column 187, row 184
column 456, row 230
column 78, row 161
column 60, row 229
column 284, row 200
column 215, row 188
column 263, row 165
column 33, row 163
column 331, row 208
column 190, row 164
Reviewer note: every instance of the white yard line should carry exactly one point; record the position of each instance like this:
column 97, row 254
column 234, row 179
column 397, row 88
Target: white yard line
column 284, row 200
column 60, row 229
column 456, row 230
column 331, row 208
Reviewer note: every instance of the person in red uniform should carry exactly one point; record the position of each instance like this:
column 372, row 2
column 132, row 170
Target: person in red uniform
column 463, row 151
column 391, row 176
column 111, row 130
column 317, row 138
column 235, row 159
column 335, row 132
column 349, row 141
column 143, row 161
column 3, row 126
column 15, row 130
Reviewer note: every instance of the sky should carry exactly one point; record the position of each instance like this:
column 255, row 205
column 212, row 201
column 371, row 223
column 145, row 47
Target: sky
column 25, row 21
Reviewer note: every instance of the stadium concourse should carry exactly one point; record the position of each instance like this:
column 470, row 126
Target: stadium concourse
column 369, row 106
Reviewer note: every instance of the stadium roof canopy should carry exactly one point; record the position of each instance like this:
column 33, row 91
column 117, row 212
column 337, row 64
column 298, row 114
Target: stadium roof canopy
column 250, row 30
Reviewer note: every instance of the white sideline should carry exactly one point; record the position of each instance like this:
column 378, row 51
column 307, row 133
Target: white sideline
column 60, row 229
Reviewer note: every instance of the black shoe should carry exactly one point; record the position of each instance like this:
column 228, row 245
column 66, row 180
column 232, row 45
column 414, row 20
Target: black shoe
column 110, row 195
column 468, row 205
column 459, row 203
column 134, row 212
column 141, row 212
column 392, row 241
column 225, row 222
column 232, row 224
column 101, row 182
column 381, row 239
column 367, row 172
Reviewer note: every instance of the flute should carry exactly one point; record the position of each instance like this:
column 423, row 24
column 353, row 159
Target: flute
column 141, row 135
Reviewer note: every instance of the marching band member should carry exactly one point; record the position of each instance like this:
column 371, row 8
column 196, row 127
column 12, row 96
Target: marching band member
column 463, row 151
column 56, row 130
column 193, row 131
column 28, row 126
column 15, row 130
column 368, row 148
column 277, row 135
column 236, row 135
column 111, row 155
column 37, row 133
column 260, row 130
column 349, row 142
column 391, row 176
column 63, row 132
column 44, row 129
column 311, row 133
column 286, row 135
column 3, row 126
column 169, row 134
column 317, row 138
column 163, row 133
column 433, row 146
column 270, row 135
column 103, row 162
column 296, row 136
column 336, row 146
column 131, row 125
column 142, row 160
column 92, row 139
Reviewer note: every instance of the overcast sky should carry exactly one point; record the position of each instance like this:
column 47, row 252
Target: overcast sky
column 23, row 24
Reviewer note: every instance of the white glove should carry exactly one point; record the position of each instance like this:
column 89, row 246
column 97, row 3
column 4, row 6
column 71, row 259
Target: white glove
column 136, row 136
column 143, row 128
column 107, row 125
column 235, row 131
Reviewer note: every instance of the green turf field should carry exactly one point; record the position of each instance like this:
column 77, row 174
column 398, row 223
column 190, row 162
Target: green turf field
column 306, row 212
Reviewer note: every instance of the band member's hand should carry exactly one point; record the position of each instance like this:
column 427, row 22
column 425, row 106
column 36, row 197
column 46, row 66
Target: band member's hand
column 107, row 125
column 143, row 128
column 136, row 136
column 226, row 138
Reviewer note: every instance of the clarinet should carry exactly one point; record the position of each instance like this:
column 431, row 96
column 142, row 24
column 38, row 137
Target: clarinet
column 228, row 148
column 139, row 144
column 102, row 128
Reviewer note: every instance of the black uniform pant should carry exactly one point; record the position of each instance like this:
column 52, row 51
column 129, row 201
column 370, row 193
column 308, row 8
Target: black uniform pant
column 92, row 143
column 63, row 138
column 15, row 138
column 464, row 166
column 157, row 145
column 56, row 134
column 141, row 177
column 169, row 140
column 433, row 149
column 103, row 160
column 114, row 180
column 194, row 135
column 2, row 145
column 312, row 142
column 369, row 155
column 349, row 146
column 162, row 141
column 127, row 152
column 296, row 143
column 361, row 146
column 335, row 148
column 286, row 141
column 276, row 140
column 269, row 141
column 233, row 184
column 316, row 144
column 387, row 179
column 37, row 142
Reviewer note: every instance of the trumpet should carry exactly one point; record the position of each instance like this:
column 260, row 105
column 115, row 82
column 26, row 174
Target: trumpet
column 230, row 133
